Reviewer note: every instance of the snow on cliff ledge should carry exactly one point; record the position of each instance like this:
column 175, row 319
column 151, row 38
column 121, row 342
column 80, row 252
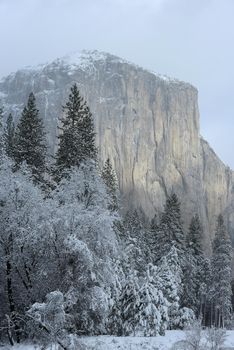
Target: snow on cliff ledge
column 85, row 60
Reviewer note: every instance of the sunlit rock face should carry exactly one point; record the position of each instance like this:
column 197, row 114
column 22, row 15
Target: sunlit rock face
column 147, row 124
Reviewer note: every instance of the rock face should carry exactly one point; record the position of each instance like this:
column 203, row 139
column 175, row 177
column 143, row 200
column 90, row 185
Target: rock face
column 147, row 124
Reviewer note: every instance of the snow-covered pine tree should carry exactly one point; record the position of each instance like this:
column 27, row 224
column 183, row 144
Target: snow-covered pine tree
column 30, row 144
column 196, row 280
column 128, row 301
column 151, row 308
column 190, row 282
column 77, row 138
column 169, row 231
column 114, row 320
column 151, row 240
column 194, row 237
column 168, row 276
column 110, row 180
column 135, row 241
column 221, row 269
column 1, row 133
column 9, row 134
column 205, row 290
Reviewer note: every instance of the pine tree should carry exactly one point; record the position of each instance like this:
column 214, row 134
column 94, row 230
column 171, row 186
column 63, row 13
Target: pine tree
column 128, row 304
column 151, row 239
column 1, row 133
column 169, row 231
column 30, row 146
column 194, row 237
column 168, row 278
column 135, row 241
column 194, row 274
column 109, row 178
column 205, row 291
column 115, row 322
column 221, row 266
column 77, row 138
column 9, row 135
column 190, row 283
column 152, row 308
column 1, row 117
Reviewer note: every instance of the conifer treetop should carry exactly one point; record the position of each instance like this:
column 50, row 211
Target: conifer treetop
column 30, row 144
column 9, row 135
column 171, row 224
column 77, row 138
column 195, row 235
column 110, row 180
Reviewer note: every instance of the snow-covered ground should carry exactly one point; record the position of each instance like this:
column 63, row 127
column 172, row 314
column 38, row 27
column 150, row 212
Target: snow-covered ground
column 129, row 343
column 134, row 343
column 143, row 343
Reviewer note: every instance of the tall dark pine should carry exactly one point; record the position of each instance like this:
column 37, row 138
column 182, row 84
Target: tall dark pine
column 194, row 237
column 110, row 181
column 194, row 278
column 221, row 269
column 9, row 136
column 169, row 231
column 30, row 145
column 77, row 138
column 1, row 117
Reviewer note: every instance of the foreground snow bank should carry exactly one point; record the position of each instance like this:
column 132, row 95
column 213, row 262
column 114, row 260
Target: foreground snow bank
column 134, row 343
column 129, row 343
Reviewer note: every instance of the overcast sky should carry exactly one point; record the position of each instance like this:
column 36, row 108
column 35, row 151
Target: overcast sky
column 192, row 40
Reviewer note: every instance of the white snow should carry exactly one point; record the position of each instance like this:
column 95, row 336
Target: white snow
column 134, row 343
column 85, row 60
column 82, row 57
column 129, row 343
column 168, row 79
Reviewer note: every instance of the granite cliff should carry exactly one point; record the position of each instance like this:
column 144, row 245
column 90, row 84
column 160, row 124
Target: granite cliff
column 147, row 124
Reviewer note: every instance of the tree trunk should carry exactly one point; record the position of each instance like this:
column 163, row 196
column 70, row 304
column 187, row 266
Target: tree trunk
column 11, row 299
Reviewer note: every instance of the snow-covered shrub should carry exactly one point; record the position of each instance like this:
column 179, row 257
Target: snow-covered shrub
column 181, row 345
column 194, row 338
column 73, row 342
column 215, row 337
column 185, row 317
column 194, row 335
column 152, row 308
column 47, row 320
column 24, row 244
